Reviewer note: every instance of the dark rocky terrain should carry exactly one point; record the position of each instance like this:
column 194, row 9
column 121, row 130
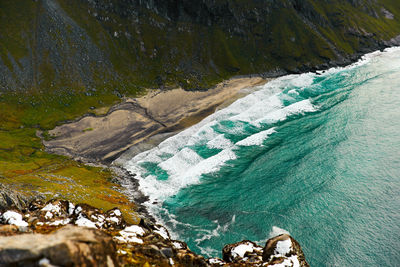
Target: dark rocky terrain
column 60, row 233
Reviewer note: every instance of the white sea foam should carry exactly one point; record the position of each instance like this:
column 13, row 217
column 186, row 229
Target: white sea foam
column 181, row 162
column 300, row 107
column 293, row 91
column 181, row 174
column 217, row 231
column 260, row 109
column 275, row 231
column 176, row 155
column 219, row 142
column 184, row 166
column 302, row 80
column 283, row 247
column 256, row 139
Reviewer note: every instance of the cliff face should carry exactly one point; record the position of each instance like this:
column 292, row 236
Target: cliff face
column 108, row 46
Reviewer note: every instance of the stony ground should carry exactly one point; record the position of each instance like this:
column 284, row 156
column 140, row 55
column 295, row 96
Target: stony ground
column 61, row 233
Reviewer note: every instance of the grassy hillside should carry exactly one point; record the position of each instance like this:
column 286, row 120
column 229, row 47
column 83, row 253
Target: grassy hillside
column 60, row 59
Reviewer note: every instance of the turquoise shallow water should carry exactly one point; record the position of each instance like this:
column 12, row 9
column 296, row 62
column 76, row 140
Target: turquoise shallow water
column 315, row 155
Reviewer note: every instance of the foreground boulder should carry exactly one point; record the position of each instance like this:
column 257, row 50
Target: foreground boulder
column 68, row 246
column 60, row 233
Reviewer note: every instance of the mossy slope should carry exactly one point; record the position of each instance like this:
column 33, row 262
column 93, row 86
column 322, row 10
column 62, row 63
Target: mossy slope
column 61, row 59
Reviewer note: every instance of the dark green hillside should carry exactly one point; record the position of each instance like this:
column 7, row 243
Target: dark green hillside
column 119, row 46
column 58, row 58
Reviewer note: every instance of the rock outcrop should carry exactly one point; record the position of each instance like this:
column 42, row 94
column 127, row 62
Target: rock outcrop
column 11, row 198
column 60, row 233
column 68, row 246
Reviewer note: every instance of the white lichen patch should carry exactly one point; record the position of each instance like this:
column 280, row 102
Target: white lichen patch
column 112, row 219
column 242, row 249
column 216, row 261
column 128, row 239
column 78, row 210
column 177, row 245
column 14, row 218
column 130, row 233
column 98, row 219
column 48, row 215
column 162, row 232
column 292, row 261
column 52, row 209
column 135, row 229
column 122, row 252
column 81, row 221
column 116, row 212
column 283, row 247
column 44, row 262
column 59, row 222
column 71, row 208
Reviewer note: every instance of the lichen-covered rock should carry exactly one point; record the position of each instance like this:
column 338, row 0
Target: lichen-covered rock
column 244, row 251
column 69, row 246
column 54, row 212
column 13, row 217
column 37, row 236
column 88, row 216
column 114, row 219
column 284, row 250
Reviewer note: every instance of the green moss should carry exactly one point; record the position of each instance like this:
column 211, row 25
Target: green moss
column 87, row 130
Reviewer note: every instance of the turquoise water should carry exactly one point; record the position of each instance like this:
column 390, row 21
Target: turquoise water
column 315, row 155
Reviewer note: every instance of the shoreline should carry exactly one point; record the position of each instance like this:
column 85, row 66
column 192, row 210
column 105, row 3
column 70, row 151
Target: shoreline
column 160, row 126
column 363, row 60
column 76, row 139
column 150, row 140
column 103, row 138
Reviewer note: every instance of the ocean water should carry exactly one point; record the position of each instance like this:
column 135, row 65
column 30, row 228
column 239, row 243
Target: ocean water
column 317, row 155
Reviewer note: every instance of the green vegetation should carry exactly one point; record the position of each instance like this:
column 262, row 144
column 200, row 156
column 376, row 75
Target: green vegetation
column 59, row 62
column 25, row 167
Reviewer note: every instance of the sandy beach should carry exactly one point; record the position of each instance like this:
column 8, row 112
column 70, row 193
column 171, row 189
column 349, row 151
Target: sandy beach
column 142, row 122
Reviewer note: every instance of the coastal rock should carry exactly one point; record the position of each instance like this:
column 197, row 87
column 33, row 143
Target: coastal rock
column 69, row 246
column 88, row 216
column 60, row 233
column 244, row 251
column 114, row 219
column 284, row 250
column 13, row 217
column 54, row 212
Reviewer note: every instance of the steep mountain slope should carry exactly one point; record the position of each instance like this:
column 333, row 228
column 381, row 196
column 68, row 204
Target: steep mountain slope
column 118, row 46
